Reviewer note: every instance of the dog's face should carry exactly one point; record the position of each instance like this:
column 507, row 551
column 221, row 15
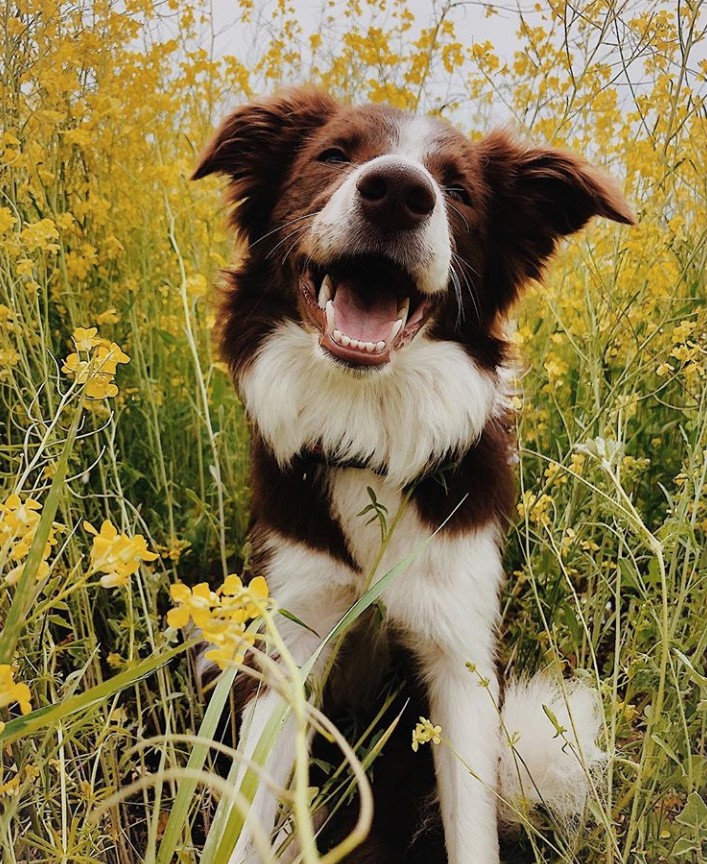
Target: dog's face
column 375, row 225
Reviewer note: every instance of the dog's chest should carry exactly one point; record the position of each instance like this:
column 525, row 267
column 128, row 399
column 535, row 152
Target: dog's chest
column 373, row 513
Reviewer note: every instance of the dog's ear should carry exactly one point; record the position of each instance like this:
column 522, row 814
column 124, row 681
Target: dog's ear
column 255, row 145
column 537, row 196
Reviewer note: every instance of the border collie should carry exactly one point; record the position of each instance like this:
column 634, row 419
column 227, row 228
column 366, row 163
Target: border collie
column 364, row 331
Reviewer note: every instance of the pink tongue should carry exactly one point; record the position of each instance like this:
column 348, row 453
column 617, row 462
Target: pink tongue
column 367, row 319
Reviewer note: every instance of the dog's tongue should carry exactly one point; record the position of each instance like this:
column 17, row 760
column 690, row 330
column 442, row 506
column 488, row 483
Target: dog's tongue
column 367, row 316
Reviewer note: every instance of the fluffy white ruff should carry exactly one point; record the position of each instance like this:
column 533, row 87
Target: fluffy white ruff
column 543, row 767
column 430, row 402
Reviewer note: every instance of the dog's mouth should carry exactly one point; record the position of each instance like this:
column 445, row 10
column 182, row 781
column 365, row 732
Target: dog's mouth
column 365, row 307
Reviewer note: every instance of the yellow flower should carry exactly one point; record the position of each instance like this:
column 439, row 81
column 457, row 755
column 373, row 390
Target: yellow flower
column 85, row 338
column 239, row 605
column 220, row 615
column 110, row 316
column 39, row 234
column 11, row 787
column 9, row 357
column 98, row 370
column 231, row 646
column 425, row 732
column 7, row 220
column 116, row 555
column 194, row 604
column 108, row 356
column 18, row 524
column 12, row 692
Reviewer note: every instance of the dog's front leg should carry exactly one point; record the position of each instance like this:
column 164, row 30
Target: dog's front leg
column 466, row 764
column 447, row 606
column 312, row 587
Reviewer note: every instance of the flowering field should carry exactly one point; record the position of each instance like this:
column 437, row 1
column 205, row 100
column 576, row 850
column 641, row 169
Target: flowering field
column 123, row 450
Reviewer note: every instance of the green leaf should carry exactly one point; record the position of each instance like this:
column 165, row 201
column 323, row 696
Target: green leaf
column 291, row 617
column 694, row 814
column 185, row 796
column 559, row 728
column 666, row 748
column 28, row 586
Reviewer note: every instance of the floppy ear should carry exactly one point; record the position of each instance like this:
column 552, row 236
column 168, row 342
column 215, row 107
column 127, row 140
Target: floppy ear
column 537, row 196
column 255, row 145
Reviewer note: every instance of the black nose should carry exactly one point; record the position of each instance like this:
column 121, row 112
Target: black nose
column 395, row 197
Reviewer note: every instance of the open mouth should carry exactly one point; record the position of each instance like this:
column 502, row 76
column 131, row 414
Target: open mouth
column 365, row 307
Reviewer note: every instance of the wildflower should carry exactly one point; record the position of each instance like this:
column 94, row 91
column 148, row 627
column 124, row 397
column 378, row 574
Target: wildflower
column 220, row 615
column 110, row 316
column 85, row 338
column 9, row 357
column 11, row 787
column 424, row 732
column 536, row 508
column 7, row 220
column 12, row 692
column 237, row 594
column 18, row 524
column 97, row 371
column 116, row 555
column 39, row 235
column 195, row 604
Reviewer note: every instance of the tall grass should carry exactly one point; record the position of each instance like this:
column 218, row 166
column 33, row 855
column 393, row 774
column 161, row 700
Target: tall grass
column 103, row 108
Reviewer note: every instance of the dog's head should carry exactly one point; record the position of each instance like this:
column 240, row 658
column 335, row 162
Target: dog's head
column 373, row 224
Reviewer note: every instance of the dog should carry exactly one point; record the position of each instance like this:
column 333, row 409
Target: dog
column 364, row 329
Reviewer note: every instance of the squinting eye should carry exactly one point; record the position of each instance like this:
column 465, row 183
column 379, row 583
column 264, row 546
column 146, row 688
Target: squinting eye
column 458, row 193
column 334, row 156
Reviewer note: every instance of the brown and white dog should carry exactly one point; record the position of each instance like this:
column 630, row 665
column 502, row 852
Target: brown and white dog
column 364, row 330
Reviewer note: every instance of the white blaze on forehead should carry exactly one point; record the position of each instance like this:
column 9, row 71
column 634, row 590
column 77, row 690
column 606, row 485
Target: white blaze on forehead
column 415, row 138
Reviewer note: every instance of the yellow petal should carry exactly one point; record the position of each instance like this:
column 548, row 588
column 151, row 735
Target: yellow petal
column 179, row 592
column 259, row 588
column 178, row 618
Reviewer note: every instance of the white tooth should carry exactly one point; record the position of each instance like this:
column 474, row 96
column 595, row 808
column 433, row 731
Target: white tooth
column 370, row 347
column 354, row 343
column 380, row 346
column 326, row 292
column 345, row 341
column 404, row 309
column 330, row 319
column 336, row 335
column 395, row 329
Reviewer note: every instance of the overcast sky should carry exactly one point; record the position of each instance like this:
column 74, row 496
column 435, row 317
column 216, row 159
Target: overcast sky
column 470, row 18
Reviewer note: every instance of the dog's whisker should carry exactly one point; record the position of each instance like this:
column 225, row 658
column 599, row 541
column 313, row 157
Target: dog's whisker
column 457, row 295
column 281, row 227
column 295, row 232
column 471, row 288
column 459, row 213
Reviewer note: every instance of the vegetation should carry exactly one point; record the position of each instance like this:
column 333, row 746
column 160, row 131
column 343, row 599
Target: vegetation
column 123, row 450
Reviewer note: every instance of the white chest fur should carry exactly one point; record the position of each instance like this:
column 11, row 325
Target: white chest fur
column 448, row 593
column 430, row 402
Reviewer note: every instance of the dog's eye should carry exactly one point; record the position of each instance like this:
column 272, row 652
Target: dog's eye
column 458, row 193
column 334, row 156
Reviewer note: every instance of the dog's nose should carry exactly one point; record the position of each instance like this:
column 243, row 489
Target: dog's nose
column 395, row 197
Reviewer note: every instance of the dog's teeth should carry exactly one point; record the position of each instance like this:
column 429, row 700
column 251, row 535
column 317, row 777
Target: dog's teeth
column 354, row 343
column 326, row 292
column 404, row 309
column 380, row 346
column 336, row 335
column 396, row 328
column 345, row 341
column 330, row 319
column 369, row 346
